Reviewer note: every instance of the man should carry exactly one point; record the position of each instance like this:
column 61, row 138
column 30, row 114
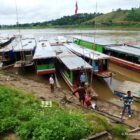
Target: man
column 128, row 99
column 82, row 93
column 83, row 79
column 51, row 82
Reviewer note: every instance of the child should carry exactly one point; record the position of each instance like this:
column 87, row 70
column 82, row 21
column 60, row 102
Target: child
column 88, row 100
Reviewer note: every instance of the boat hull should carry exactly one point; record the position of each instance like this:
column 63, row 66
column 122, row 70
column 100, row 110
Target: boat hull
column 125, row 64
column 71, row 86
column 43, row 72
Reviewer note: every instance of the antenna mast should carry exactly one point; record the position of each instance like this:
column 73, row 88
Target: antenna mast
column 17, row 17
column 22, row 53
column 95, row 22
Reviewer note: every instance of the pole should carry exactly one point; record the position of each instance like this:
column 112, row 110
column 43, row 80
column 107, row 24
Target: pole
column 95, row 23
column 22, row 53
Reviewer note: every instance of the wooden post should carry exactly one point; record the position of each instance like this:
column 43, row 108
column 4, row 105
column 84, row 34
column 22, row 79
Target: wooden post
column 91, row 80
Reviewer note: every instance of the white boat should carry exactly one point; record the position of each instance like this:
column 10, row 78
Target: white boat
column 71, row 66
column 44, row 58
column 24, row 52
column 98, row 60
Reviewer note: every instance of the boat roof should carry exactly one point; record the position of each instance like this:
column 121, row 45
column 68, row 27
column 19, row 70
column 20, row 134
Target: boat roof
column 130, row 86
column 44, row 50
column 3, row 40
column 134, row 46
column 10, row 46
column 69, row 59
column 125, row 49
column 94, row 55
column 26, row 44
column 61, row 39
column 101, row 41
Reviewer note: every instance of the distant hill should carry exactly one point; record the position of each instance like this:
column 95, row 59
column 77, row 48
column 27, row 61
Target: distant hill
column 123, row 18
column 119, row 17
column 74, row 20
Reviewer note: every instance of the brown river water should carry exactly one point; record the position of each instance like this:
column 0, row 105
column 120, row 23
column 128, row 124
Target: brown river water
column 103, row 87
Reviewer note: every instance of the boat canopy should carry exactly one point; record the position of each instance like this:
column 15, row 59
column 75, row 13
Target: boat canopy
column 125, row 49
column 3, row 40
column 70, row 60
column 135, row 46
column 61, row 39
column 25, row 44
column 91, row 54
column 102, row 41
column 44, row 50
column 9, row 47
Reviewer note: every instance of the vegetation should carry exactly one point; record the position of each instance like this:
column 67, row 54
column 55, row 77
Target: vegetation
column 22, row 114
column 118, row 18
column 64, row 21
column 133, row 15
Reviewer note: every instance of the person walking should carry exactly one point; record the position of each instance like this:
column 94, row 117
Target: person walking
column 51, row 82
column 128, row 99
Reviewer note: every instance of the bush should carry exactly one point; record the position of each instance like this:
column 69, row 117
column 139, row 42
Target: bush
column 56, row 124
column 22, row 113
column 119, row 131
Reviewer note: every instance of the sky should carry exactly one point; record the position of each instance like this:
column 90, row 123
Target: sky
column 44, row 10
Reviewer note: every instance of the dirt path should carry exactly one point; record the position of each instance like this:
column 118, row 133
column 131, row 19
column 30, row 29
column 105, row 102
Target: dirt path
column 36, row 88
column 43, row 90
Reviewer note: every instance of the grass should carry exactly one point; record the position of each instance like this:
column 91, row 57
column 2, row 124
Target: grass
column 22, row 114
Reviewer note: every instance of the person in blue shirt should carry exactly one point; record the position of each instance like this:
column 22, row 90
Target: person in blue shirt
column 128, row 99
column 83, row 79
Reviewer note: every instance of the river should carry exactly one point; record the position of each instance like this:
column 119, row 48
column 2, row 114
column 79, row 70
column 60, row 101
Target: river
column 104, row 88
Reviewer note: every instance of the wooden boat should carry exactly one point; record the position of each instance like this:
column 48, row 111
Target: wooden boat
column 7, row 56
column 98, row 60
column 126, row 55
column 94, row 44
column 24, row 51
column 44, row 58
column 58, row 41
column 71, row 66
column 129, row 86
column 5, row 41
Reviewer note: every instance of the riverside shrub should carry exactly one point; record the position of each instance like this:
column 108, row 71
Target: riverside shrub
column 22, row 114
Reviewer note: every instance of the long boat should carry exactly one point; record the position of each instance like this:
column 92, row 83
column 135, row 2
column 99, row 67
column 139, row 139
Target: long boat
column 94, row 44
column 24, row 52
column 121, row 54
column 125, row 56
column 7, row 56
column 98, row 60
column 5, row 41
column 44, row 58
column 71, row 66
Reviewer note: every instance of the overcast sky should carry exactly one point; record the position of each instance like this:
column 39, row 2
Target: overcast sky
column 43, row 10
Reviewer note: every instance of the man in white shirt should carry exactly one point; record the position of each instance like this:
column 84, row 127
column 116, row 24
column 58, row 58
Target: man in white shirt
column 83, row 79
column 51, row 82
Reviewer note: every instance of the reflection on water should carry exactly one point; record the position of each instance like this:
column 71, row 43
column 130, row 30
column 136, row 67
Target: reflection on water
column 103, row 87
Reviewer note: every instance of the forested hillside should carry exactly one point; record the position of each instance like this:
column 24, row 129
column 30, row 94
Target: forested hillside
column 118, row 18
column 123, row 18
